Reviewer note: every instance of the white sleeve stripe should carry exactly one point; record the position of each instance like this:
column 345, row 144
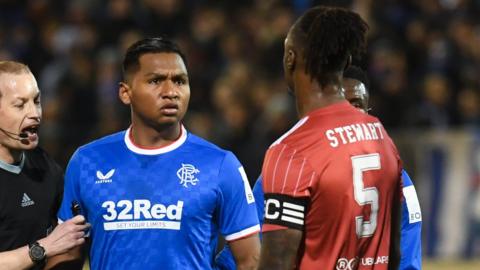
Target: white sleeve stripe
column 60, row 221
column 295, row 127
column 413, row 206
column 246, row 186
column 298, row 179
column 275, row 168
column 288, row 169
column 294, row 206
column 243, row 233
column 292, row 220
column 310, row 183
column 293, row 213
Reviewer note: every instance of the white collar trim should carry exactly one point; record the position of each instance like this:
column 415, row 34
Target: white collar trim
column 295, row 127
column 16, row 169
column 156, row 151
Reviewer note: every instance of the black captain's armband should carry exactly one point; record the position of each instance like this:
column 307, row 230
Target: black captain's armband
column 285, row 210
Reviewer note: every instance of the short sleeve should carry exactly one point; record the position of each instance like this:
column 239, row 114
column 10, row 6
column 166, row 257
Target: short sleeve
column 237, row 215
column 287, row 178
column 224, row 260
column 258, row 195
column 411, row 229
column 71, row 191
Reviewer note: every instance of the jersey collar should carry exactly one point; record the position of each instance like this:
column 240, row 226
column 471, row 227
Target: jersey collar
column 155, row 151
column 16, row 169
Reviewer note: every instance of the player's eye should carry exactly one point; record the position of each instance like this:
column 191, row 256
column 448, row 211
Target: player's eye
column 180, row 81
column 154, row 81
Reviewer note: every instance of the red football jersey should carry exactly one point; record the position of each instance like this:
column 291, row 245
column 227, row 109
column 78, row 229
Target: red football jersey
column 336, row 176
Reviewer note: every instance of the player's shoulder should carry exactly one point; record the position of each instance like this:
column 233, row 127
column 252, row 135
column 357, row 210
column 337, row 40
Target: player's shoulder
column 203, row 146
column 103, row 142
column 293, row 135
column 406, row 180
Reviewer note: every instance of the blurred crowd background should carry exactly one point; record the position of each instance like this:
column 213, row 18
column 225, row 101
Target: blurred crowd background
column 423, row 62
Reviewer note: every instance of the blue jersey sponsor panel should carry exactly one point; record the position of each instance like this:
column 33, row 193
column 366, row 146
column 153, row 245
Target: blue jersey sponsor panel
column 158, row 211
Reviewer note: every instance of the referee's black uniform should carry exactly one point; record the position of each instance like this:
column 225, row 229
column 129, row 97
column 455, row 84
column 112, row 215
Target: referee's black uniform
column 30, row 195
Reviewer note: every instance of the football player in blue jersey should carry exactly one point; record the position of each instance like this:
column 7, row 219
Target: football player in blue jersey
column 356, row 84
column 156, row 195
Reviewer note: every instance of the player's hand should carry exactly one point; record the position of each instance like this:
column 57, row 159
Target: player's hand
column 65, row 236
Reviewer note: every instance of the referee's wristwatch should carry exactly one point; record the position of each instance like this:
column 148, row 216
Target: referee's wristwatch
column 37, row 253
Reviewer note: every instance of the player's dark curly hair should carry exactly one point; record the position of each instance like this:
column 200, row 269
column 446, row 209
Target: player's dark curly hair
column 354, row 72
column 148, row 45
column 329, row 36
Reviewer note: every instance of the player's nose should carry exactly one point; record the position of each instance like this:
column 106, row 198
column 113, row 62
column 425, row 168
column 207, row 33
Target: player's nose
column 169, row 90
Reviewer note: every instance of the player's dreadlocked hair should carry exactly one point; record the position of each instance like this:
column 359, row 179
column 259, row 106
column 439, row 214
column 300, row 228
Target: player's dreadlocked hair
column 329, row 37
column 148, row 45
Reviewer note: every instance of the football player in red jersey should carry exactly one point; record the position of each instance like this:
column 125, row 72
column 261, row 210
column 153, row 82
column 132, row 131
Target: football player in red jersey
column 332, row 183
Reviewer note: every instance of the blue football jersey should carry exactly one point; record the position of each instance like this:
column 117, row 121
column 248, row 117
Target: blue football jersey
column 158, row 208
column 410, row 243
column 411, row 230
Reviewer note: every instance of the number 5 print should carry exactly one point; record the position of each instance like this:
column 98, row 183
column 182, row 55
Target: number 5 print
column 363, row 195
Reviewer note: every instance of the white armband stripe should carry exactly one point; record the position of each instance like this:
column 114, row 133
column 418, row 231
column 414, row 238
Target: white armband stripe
column 294, row 206
column 293, row 213
column 293, row 220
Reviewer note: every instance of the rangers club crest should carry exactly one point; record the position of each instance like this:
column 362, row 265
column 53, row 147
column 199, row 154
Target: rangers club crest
column 186, row 174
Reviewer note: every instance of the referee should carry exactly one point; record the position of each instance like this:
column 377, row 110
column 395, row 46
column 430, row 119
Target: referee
column 31, row 183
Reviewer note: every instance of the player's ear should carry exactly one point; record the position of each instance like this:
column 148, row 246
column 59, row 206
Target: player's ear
column 124, row 92
column 290, row 60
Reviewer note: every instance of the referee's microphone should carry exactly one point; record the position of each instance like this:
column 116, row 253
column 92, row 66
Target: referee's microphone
column 19, row 137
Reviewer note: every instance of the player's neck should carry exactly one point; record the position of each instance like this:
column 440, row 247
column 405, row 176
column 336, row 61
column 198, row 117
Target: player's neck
column 312, row 96
column 10, row 156
column 149, row 137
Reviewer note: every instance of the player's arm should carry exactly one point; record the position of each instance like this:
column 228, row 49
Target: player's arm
column 286, row 185
column 279, row 249
column 282, row 230
column 237, row 215
column 246, row 252
column 225, row 259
